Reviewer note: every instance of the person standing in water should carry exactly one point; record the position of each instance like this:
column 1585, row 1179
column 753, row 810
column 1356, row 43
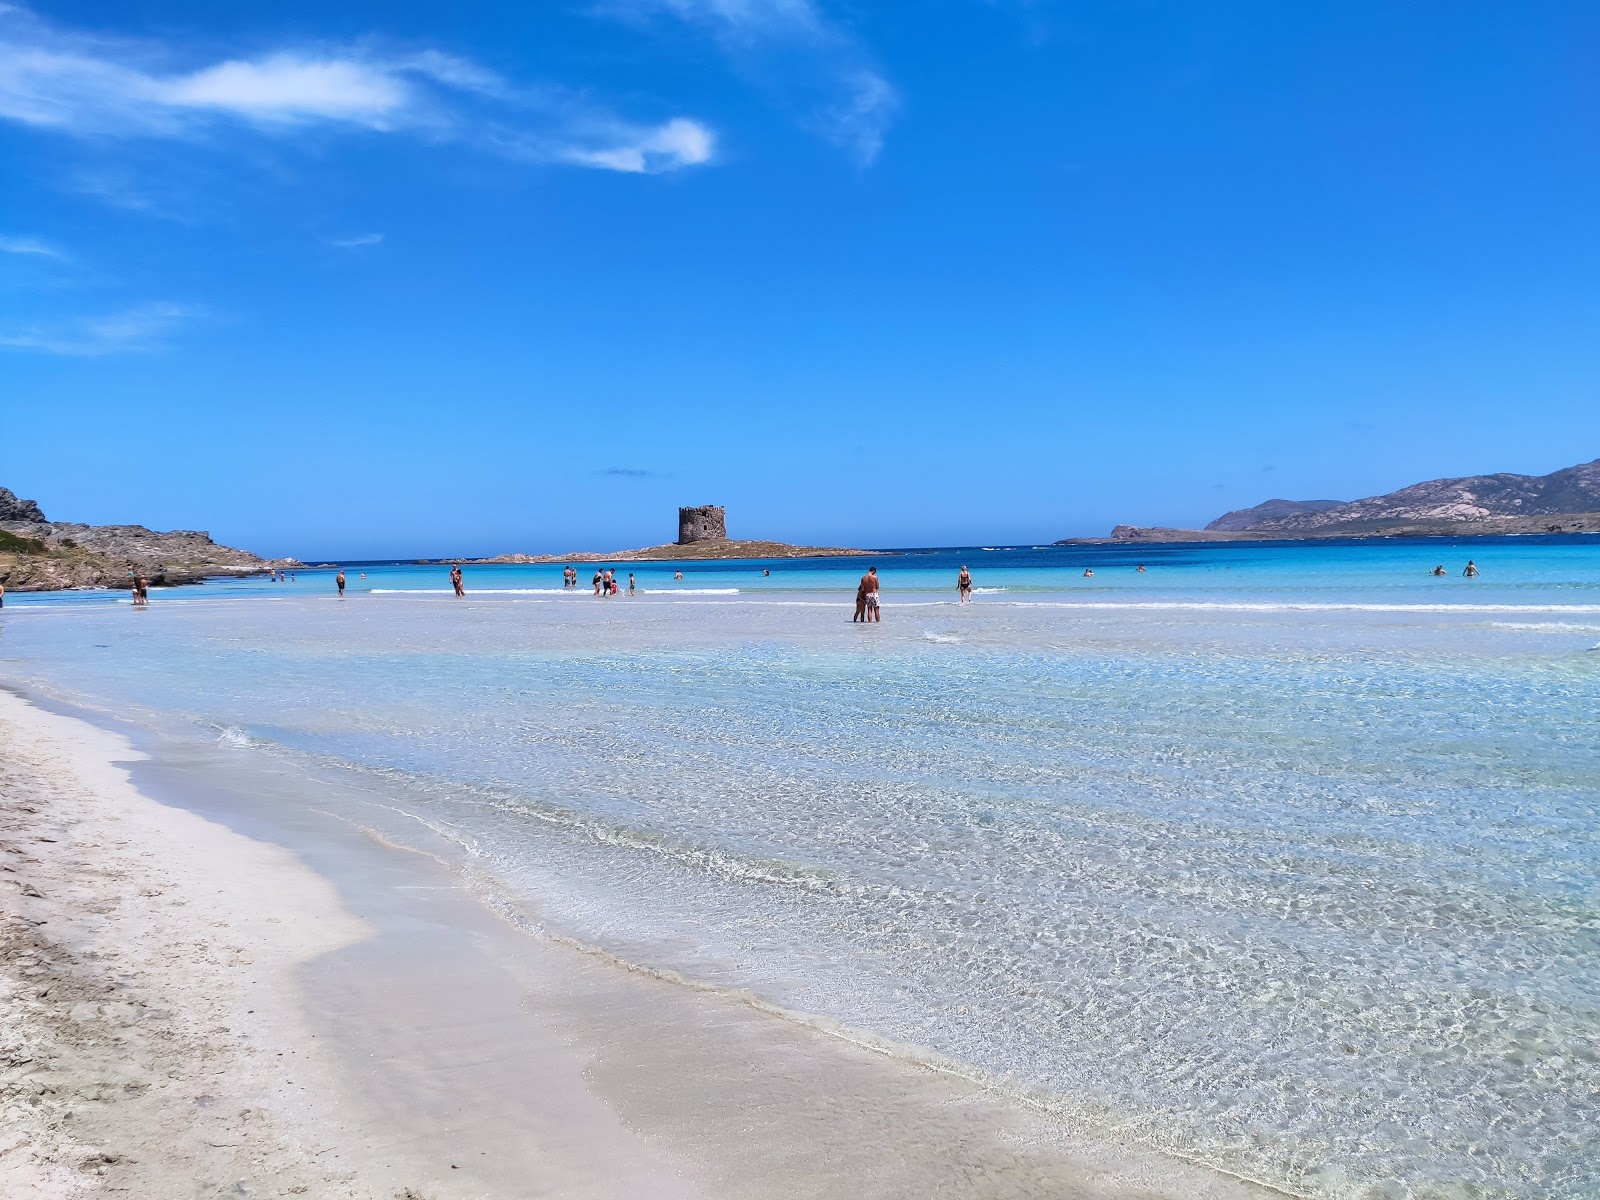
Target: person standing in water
column 339, row 579
column 1472, row 570
column 1438, row 570
column 869, row 587
column 456, row 580
column 964, row 585
column 631, row 584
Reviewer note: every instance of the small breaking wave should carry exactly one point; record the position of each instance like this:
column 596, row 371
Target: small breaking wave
column 1306, row 606
column 1544, row 626
column 690, row 591
column 477, row 591
column 943, row 639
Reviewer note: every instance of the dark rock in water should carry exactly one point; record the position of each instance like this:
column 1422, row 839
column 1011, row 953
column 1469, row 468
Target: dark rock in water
column 12, row 508
column 1249, row 518
column 702, row 523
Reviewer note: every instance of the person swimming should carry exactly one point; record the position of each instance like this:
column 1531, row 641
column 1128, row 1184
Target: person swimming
column 1088, row 572
column 1439, row 570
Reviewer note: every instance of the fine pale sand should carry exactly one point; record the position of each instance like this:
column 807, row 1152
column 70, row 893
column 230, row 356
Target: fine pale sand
column 189, row 1011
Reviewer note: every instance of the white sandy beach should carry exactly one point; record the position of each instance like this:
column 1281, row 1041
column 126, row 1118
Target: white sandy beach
column 188, row 1011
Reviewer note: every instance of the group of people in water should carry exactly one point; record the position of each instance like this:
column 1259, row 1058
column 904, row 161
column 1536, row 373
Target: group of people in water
column 604, row 581
column 869, row 604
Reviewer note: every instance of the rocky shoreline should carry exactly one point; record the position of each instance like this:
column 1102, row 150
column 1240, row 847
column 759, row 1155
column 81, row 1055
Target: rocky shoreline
column 40, row 555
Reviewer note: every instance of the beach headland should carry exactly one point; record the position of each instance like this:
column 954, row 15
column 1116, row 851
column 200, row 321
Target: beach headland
column 242, row 988
column 40, row 555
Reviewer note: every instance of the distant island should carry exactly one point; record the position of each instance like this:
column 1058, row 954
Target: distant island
column 1564, row 501
column 40, row 555
column 702, row 534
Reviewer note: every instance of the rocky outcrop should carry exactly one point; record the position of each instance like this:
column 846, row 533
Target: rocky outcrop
column 40, row 555
column 1248, row 518
column 702, row 523
column 1157, row 533
column 14, row 509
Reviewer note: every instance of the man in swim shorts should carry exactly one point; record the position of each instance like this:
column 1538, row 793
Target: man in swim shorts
column 869, row 588
column 339, row 579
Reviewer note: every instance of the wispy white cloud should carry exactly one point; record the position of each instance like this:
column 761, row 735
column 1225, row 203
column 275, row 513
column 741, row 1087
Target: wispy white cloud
column 131, row 331
column 645, row 149
column 814, row 65
column 86, row 86
column 29, row 245
column 357, row 241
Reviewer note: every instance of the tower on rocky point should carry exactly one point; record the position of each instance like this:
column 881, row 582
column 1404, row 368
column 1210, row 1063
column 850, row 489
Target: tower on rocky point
column 702, row 523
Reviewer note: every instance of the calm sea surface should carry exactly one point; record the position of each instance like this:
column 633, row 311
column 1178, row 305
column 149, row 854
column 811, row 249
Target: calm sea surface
column 1281, row 858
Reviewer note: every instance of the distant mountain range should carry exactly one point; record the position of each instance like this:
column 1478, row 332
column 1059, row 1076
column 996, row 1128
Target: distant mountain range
column 1565, row 501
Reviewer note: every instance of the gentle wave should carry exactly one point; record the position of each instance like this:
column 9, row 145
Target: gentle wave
column 1544, row 626
column 1306, row 606
column 475, row 591
column 690, row 591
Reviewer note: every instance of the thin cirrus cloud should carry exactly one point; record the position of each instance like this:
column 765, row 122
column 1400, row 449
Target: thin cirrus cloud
column 357, row 241
column 29, row 245
column 96, row 87
column 136, row 330
column 813, row 65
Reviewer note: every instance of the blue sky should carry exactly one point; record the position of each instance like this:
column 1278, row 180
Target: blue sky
column 408, row 278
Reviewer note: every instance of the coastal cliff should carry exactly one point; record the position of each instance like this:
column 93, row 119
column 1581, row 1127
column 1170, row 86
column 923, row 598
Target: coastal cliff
column 1564, row 501
column 37, row 554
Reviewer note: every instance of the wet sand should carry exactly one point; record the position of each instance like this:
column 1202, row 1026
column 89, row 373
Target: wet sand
column 214, row 990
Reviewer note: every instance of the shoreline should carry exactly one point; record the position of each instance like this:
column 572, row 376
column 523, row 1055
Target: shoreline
column 416, row 1018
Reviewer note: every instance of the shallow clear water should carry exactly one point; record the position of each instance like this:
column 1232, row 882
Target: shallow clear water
column 1283, row 858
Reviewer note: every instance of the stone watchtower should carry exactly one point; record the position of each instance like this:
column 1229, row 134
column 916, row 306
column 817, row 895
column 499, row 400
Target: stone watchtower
column 702, row 523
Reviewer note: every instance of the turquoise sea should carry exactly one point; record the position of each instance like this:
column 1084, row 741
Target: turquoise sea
column 1281, row 858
